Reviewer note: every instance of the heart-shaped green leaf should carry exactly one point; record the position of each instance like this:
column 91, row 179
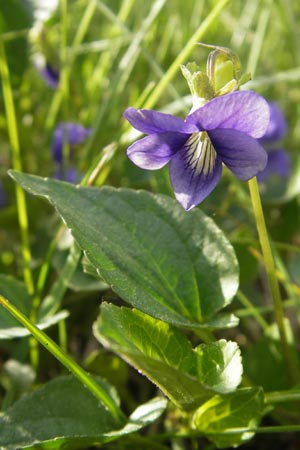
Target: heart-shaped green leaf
column 162, row 353
column 173, row 265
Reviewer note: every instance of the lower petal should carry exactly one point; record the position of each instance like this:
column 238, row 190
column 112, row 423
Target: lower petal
column 242, row 154
column 194, row 172
column 155, row 151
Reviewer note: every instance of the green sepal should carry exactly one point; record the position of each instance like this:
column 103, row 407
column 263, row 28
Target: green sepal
column 199, row 84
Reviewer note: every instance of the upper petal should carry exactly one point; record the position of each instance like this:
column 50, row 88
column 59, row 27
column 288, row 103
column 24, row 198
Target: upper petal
column 155, row 151
column 149, row 121
column 194, row 173
column 243, row 111
column 242, row 154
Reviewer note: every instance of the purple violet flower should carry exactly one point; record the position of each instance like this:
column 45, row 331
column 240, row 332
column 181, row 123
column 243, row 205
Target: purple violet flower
column 278, row 159
column 224, row 130
column 74, row 134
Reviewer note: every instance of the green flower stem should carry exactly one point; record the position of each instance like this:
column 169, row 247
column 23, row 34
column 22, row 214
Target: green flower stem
column 228, row 431
column 84, row 377
column 53, row 299
column 43, row 273
column 175, row 66
column 261, row 430
column 271, row 272
column 282, row 396
column 259, row 37
column 20, row 194
column 246, row 312
column 17, row 165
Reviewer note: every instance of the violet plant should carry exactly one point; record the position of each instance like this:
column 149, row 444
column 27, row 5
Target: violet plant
column 192, row 347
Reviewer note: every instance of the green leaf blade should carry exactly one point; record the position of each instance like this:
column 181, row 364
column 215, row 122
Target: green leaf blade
column 173, row 265
column 64, row 415
column 167, row 358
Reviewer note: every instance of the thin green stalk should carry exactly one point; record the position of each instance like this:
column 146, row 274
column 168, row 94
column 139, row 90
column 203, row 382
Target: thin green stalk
column 259, row 38
column 229, row 431
column 263, row 309
column 84, row 377
column 106, row 59
column 17, row 165
column 282, row 396
column 53, row 300
column 261, row 430
column 252, row 310
column 64, row 79
column 43, row 273
column 175, row 66
column 271, row 273
column 68, row 56
column 125, row 67
column 62, row 333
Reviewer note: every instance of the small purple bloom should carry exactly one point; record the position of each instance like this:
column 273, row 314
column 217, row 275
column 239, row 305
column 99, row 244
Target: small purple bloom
column 72, row 132
column 71, row 175
column 50, row 75
column 278, row 159
column 224, row 130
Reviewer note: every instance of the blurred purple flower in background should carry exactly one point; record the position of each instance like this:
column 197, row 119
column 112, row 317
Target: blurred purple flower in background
column 225, row 130
column 278, row 159
column 74, row 134
column 50, row 75
column 71, row 174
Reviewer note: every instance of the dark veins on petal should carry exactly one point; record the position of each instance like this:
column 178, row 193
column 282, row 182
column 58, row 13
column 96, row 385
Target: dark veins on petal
column 200, row 154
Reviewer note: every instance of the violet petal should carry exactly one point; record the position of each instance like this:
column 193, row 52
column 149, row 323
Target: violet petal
column 192, row 187
column 77, row 133
column 242, row 154
column 243, row 111
column 277, row 127
column 149, row 122
column 279, row 163
column 155, row 151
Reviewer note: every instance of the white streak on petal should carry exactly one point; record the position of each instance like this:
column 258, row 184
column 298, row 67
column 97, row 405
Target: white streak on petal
column 200, row 154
